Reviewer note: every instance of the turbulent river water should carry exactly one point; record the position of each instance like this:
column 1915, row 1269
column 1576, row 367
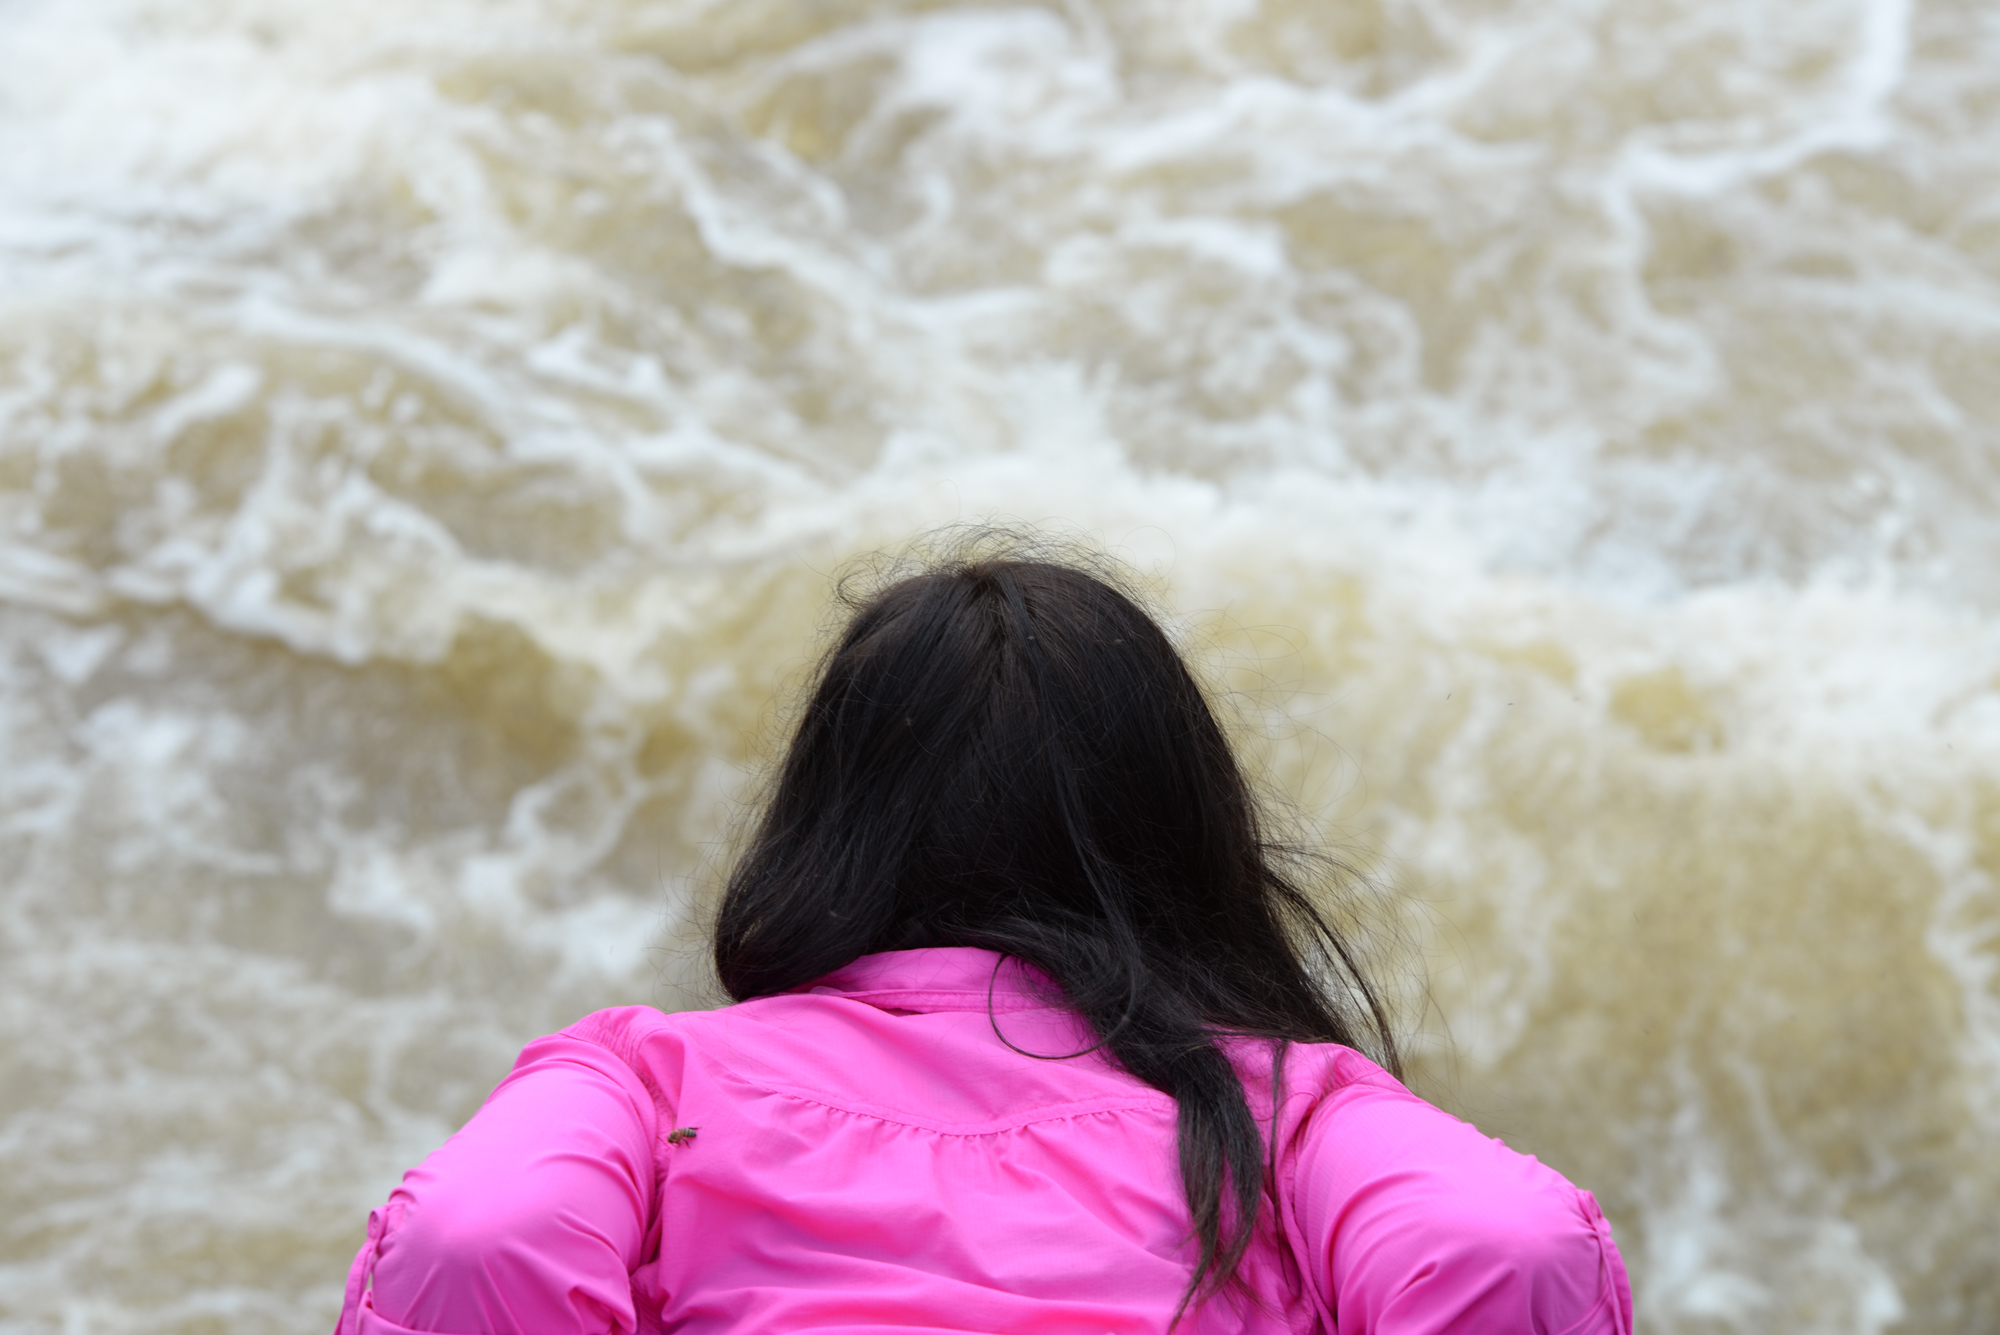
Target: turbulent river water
column 1566, row 432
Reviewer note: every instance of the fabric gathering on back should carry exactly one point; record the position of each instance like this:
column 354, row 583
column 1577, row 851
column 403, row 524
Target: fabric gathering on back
column 908, row 1146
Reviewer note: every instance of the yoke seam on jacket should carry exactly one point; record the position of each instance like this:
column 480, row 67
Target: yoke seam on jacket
column 1061, row 1112
column 624, row 1045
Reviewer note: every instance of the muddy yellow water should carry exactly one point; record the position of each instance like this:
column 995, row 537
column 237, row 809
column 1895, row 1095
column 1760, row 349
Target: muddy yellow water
column 1566, row 433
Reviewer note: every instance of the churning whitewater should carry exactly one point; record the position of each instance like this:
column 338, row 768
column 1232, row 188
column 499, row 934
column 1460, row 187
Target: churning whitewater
column 1567, row 433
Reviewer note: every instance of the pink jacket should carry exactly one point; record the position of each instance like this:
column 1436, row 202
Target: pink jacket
column 870, row 1156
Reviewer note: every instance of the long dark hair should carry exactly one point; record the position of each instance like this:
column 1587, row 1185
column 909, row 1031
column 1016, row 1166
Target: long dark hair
column 1007, row 752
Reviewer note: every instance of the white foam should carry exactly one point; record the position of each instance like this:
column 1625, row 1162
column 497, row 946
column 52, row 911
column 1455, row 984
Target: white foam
column 1504, row 371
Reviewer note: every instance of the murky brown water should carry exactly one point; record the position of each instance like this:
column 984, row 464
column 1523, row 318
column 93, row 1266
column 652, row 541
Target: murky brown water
column 1570, row 430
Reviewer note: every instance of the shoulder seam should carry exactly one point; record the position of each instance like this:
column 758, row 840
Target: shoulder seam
column 594, row 1029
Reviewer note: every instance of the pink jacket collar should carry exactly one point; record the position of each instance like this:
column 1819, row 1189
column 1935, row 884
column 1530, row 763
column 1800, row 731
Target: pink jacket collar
column 944, row 978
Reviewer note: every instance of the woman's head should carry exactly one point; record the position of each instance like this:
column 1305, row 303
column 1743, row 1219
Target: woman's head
column 1003, row 746
column 1008, row 752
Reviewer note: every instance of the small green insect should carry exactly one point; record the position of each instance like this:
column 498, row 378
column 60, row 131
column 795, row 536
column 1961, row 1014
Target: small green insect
column 681, row 1135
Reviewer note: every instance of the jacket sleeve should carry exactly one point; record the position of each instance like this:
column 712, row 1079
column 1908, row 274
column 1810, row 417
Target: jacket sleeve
column 530, row 1220
column 1416, row 1223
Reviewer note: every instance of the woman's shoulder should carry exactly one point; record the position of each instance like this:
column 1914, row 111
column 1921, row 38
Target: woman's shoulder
column 618, row 1025
column 788, row 1037
column 1345, row 1121
column 647, row 1038
column 1400, row 1202
column 632, row 1031
column 1305, row 1076
column 1330, row 1094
